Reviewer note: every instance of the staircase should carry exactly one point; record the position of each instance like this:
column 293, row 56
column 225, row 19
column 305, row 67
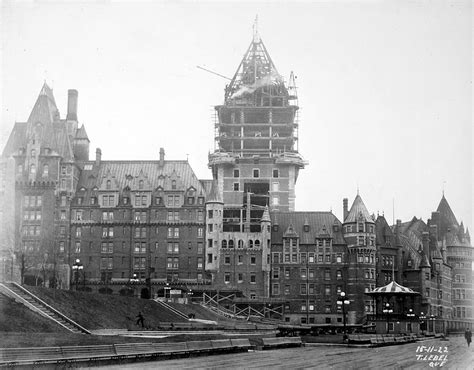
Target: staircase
column 172, row 309
column 20, row 294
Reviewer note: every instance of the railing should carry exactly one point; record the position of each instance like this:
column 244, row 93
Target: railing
column 392, row 317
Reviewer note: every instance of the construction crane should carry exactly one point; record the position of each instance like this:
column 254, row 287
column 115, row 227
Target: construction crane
column 215, row 73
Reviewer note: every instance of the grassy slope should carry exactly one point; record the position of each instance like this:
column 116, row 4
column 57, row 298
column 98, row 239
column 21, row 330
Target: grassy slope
column 101, row 311
column 15, row 317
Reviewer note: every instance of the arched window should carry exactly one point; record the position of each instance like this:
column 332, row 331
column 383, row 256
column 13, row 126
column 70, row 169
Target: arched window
column 224, row 243
column 250, row 243
column 108, row 185
column 32, row 169
column 140, row 184
column 231, row 243
column 257, row 243
column 173, row 185
column 45, row 170
column 241, row 243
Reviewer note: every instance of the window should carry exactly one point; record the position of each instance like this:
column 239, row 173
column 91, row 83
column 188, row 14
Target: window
column 276, row 273
column 200, row 216
column 63, row 170
column 227, row 260
column 253, row 278
column 108, row 185
column 287, row 290
column 78, row 232
column 61, row 247
column 236, row 172
column 303, row 273
column 32, row 169
column 275, row 200
column 200, row 232
column 253, row 259
column 173, row 247
column 107, row 216
column 199, row 262
column 45, row 170
column 140, row 185
column 256, row 172
column 275, row 173
column 275, row 186
column 106, row 263
column 172, row 263
column 339, row 258
column 209, row 258
column 339, row 275
column 63, row 215
column 287, row 273
column 107, row 232
column 78, row 247
column 199, row 248
column 107, row 247
column 328, row 258
column 236, row 186
column 210, row 228
column 240, row 259
column 173, row 185
column 227, row 277
column 302, row 288
column 276, row 289
column 327, row 290
column 327, row 274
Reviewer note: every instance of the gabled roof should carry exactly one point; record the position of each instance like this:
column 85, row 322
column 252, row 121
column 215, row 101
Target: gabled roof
column 358, row 211
column 383, row 231
column 314, row 221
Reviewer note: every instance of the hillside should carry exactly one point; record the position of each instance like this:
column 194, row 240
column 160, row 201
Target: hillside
column 100, row 311
column 15, row 317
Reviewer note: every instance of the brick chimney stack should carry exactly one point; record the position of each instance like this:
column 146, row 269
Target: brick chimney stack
column 98, row 156
column 162, row 157
column 345, row 210
column 72, row 105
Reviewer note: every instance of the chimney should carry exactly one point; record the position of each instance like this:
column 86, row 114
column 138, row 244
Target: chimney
column 345, row 212
column 72, row 105
column 434, row 231
column 426, row 243
column 162, row 157
column 98, row 156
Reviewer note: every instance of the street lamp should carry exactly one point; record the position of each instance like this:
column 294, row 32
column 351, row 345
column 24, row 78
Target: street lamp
column 167, row 287
column 388, row 310
column 78, row 266
column 432, row 319
column 422, row 321
column 410, row 315
column 342, row 302
column 134, row 280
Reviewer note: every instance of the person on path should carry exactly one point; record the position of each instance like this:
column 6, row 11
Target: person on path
column 468, row 336
column 140, row 319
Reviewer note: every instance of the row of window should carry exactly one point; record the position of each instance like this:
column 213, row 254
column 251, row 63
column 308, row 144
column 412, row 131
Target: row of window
column 305, row 289
column 304, row 273
column 32, row 200
column 138, row 247
column 240, row 243
column 140, row 216
column 31, row 215
column 360, row 228
column 310, row 257
column 240, row 259
column 256, row 173
column 140, row 263
column 240, row 277
column 139, row 232
column 109, row 200
column 31, row 230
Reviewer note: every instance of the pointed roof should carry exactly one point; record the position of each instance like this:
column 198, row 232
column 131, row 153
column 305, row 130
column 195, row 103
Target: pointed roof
column 392, row 288
column 290, row 232
column 446, row 212
column 358, row 211
column 214, row 195
column 81, row 134
column 256, row 71
column 266, row 215
column 44, row 110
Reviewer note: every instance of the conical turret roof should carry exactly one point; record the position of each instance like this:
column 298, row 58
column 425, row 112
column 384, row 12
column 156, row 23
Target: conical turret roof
column 82, row 134
column 358, row 211
column 447, row 213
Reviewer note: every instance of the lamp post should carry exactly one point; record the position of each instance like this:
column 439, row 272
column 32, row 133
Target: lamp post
column 433, row 319
column 410, row 316
column 78, row 266
column 167, row 288
column 422, row 321
column 388, row 310
column 134, row 280
column 342, row 302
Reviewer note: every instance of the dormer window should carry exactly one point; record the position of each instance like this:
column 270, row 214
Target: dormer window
column 306, row 228
column 33, row 153
column 63, row 170
column 140, row 185
column 275, row 228
column 173, row 185
column 360, row 227
column 108, row 185
column 45, row 170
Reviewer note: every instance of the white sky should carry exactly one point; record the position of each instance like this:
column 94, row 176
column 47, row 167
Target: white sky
column 385, row 87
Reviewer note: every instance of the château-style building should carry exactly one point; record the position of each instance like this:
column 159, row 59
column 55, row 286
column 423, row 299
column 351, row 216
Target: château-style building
column 152, row 228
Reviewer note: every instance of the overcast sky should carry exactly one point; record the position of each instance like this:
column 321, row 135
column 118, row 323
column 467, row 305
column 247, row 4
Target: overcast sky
column 384, row 87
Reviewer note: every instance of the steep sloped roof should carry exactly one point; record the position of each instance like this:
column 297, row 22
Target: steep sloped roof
column 82, row 134
column 358, row 210
column 447, row 213
column 383, row 231
column 315, row 220
column 125, row 172
column 16, row 140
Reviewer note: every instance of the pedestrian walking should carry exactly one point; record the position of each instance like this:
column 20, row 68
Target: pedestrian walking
column 140, row 319
column 468, row 336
